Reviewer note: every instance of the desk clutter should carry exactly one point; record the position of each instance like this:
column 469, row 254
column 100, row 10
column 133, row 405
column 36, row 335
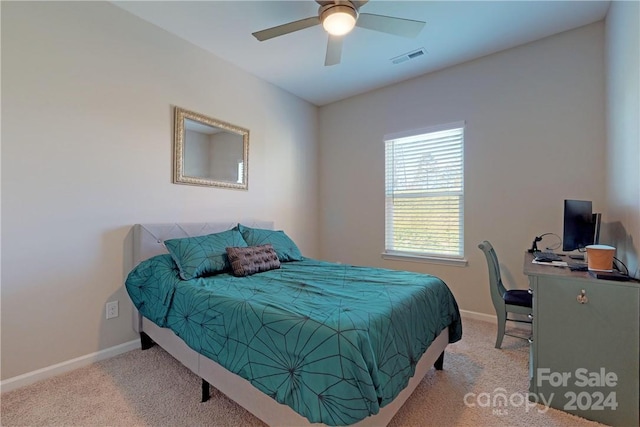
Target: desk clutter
column 609, row 275
column 578, row 266
column 555, row 260
column 550, row 263
column 541, row 256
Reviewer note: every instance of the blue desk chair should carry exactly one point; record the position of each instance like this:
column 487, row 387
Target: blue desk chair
column 505, row 301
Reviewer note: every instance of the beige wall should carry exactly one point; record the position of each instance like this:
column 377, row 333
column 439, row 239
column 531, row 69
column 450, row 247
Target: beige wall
column 87, row 127
column 535, row 135
column 87, row 96
column 623, row 131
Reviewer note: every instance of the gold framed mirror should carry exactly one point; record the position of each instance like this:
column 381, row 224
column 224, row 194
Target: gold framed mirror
column 209, row 152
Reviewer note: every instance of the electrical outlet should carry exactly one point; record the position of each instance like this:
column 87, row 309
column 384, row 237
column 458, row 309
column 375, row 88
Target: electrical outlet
column 112, row 309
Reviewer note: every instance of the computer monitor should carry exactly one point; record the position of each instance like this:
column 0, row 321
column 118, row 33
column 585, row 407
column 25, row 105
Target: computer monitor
column 581, row 225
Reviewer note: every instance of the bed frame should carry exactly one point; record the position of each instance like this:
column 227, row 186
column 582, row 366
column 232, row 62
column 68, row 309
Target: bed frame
column 148, row 241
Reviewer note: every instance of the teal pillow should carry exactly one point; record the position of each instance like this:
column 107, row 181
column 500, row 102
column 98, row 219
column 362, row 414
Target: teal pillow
column 282, row 244
column 203, row 255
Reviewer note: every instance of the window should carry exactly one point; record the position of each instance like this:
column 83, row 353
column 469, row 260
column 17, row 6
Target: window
column 424, row 193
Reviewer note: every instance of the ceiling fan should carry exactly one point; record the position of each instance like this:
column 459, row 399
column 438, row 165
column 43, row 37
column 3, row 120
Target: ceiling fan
column 338, row 17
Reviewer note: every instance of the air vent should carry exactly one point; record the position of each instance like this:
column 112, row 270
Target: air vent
column 409, row 55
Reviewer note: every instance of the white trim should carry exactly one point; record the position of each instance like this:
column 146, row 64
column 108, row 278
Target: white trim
column 466, row 314
column 67, row 366
column 425, row 166
column 430, row 129
column 456, row 262
column 79, row 362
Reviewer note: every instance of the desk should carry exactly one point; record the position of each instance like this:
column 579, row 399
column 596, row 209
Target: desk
column 584, row 357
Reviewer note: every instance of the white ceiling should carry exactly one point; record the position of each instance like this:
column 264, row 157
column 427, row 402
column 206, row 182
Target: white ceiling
column 456, row 31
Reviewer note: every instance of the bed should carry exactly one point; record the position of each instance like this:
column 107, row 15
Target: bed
column 307, row 342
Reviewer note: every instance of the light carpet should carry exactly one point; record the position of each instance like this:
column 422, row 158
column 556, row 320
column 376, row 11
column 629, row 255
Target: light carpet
column 150, row 388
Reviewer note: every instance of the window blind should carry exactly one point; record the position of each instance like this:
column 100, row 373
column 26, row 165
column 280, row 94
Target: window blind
column 424, row 193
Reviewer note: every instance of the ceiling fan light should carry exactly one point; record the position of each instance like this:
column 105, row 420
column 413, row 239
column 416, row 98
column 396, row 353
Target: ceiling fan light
column 339, row 20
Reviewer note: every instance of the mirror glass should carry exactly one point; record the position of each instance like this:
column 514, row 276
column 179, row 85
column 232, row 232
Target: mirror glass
column 209, row 151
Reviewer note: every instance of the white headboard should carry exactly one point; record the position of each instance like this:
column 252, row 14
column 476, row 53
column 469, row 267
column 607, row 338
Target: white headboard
column 148, row 239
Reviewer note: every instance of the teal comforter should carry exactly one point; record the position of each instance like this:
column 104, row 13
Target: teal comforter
column 334, row 342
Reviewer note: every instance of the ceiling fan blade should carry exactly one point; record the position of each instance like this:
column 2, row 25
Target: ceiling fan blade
column 283, row 29
column 334, row 50
column 388, row 24
column 359, row 3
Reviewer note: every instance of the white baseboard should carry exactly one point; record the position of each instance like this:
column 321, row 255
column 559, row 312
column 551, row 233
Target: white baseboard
column 63, row 367
column 479, row 316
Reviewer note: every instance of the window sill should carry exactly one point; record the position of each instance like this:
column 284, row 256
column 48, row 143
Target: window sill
column 455, row 262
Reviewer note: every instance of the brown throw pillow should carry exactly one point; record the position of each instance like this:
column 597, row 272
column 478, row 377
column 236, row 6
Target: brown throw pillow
column 252, row 259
